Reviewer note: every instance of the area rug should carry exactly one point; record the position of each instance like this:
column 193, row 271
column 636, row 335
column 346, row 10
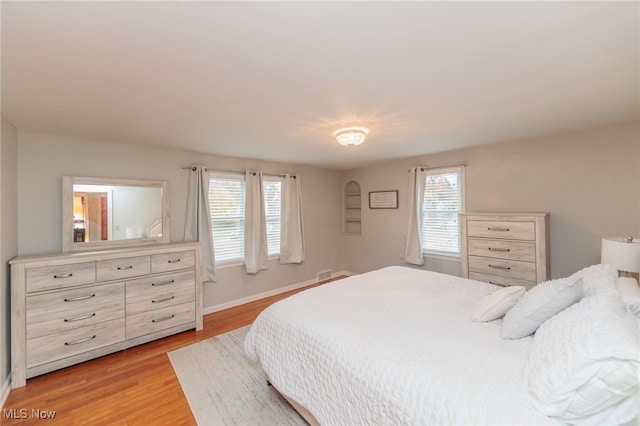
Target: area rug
column 223, row 387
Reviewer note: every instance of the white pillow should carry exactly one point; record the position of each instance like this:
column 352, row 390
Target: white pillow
column 630, row 292
column 494, row 305
column 583, row 363
column 538, row 305
column 597, row 278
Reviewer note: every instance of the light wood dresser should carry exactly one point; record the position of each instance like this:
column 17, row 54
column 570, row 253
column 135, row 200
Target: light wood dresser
column 504, row 248
column 71, row 307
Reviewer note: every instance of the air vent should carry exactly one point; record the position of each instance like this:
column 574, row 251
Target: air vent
column 324, row 275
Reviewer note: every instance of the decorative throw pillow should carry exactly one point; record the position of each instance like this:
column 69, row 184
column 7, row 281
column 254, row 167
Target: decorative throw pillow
column 630, row 292
column 583, row 363
column 597, row 278
column 538, row 305
column 494, row 305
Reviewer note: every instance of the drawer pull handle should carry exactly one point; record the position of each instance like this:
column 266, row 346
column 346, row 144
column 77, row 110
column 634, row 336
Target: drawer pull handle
column 503, row 250
column 84, row 317
column 168, row 317
column 78, row 298
column 69, row 275
column 499, row 229
column 164, row 283
column 124, row 268
column 166, row 299
column 173, row 261
column 77, row 342
column 504, row 268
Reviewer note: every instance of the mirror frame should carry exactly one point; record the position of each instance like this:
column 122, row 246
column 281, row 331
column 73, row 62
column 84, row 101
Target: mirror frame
column 68, row 244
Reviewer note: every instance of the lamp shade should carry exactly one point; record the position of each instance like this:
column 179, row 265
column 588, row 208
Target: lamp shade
column 621, row 253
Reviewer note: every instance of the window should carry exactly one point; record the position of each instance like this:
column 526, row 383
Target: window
column 271, row 189
column 226, row 203
column 443, row 201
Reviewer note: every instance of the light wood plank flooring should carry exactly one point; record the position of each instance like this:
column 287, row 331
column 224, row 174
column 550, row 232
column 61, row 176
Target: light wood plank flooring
column 136, row 386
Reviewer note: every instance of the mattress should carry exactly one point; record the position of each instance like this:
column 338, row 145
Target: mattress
column 394, row 346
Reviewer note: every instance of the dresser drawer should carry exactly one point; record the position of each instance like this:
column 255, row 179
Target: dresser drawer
column 501, row 267
column 54, row 277
column 72, row 342
column 168, row 262
column 525, row 231
column 67, row 309
column 118, row 269
column 498, row 280
column 147, row 294
column 160, row 319
column 513, row 250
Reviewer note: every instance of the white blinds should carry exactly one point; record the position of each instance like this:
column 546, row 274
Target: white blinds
column 226, row 202
column 272, row 206
column 441, row 206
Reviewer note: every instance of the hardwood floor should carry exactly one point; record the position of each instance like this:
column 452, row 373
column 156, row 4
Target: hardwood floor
column 136, row 386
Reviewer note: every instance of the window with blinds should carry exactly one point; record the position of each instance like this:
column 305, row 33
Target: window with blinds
column 226, row 204
column 443, row 201
column 272, row 190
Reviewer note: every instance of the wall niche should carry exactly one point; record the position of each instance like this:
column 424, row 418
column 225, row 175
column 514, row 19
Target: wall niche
column 352, row 224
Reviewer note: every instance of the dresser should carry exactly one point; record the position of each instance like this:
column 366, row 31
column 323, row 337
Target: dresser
column 71, row 307
column 505, row 248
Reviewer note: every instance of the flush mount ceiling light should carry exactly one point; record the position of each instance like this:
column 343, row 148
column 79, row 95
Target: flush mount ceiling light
column 351, row 136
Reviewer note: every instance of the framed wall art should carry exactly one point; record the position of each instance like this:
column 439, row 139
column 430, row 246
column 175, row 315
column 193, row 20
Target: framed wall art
column 383, row 199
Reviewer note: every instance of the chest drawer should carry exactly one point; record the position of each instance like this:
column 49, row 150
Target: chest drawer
column 117, row 269
column 66, row 309
column 159, row 319
column 500, row 280
column 501, row 267
column 167, row 262
column 147, row 294
column 54, row 277
column 525, row 231
column 72, row 342
column 514, row 250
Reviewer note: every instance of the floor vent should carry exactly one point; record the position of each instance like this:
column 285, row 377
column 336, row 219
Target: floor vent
column 324, row 275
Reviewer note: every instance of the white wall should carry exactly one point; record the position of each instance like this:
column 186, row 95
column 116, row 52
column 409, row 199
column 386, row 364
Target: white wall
column 8, row 236
column 589, row 181
column 44, row 159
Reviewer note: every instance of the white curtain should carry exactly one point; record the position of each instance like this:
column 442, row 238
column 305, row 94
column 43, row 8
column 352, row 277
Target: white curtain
column 198, row 222
column 413, row 242
column 292, row 225
column 256, row 256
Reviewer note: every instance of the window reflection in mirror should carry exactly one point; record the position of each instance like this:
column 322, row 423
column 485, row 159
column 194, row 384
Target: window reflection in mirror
column 113, row 212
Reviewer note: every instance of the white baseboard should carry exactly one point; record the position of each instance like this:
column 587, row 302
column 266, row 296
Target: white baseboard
column 254, row 297
column 5, row 390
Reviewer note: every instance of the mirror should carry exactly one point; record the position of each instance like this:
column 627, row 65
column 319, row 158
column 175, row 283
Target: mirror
column 105, row 213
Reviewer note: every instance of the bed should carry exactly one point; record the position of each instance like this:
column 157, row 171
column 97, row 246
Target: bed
column 398, row 346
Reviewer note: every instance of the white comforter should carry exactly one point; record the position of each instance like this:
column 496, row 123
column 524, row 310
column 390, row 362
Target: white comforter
column 394, row 346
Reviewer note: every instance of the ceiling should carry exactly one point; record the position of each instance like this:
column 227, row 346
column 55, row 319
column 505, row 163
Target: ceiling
column 274, row 80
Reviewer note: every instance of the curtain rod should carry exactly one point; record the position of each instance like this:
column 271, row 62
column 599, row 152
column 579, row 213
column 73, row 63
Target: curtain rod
column 423, row 168
column 193, row 168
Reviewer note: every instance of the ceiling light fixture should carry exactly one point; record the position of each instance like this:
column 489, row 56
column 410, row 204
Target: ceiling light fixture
column 351, row 136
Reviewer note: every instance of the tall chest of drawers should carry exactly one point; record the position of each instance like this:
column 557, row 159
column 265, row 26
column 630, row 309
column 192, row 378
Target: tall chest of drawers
column 505, row 248
column 72, row 307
